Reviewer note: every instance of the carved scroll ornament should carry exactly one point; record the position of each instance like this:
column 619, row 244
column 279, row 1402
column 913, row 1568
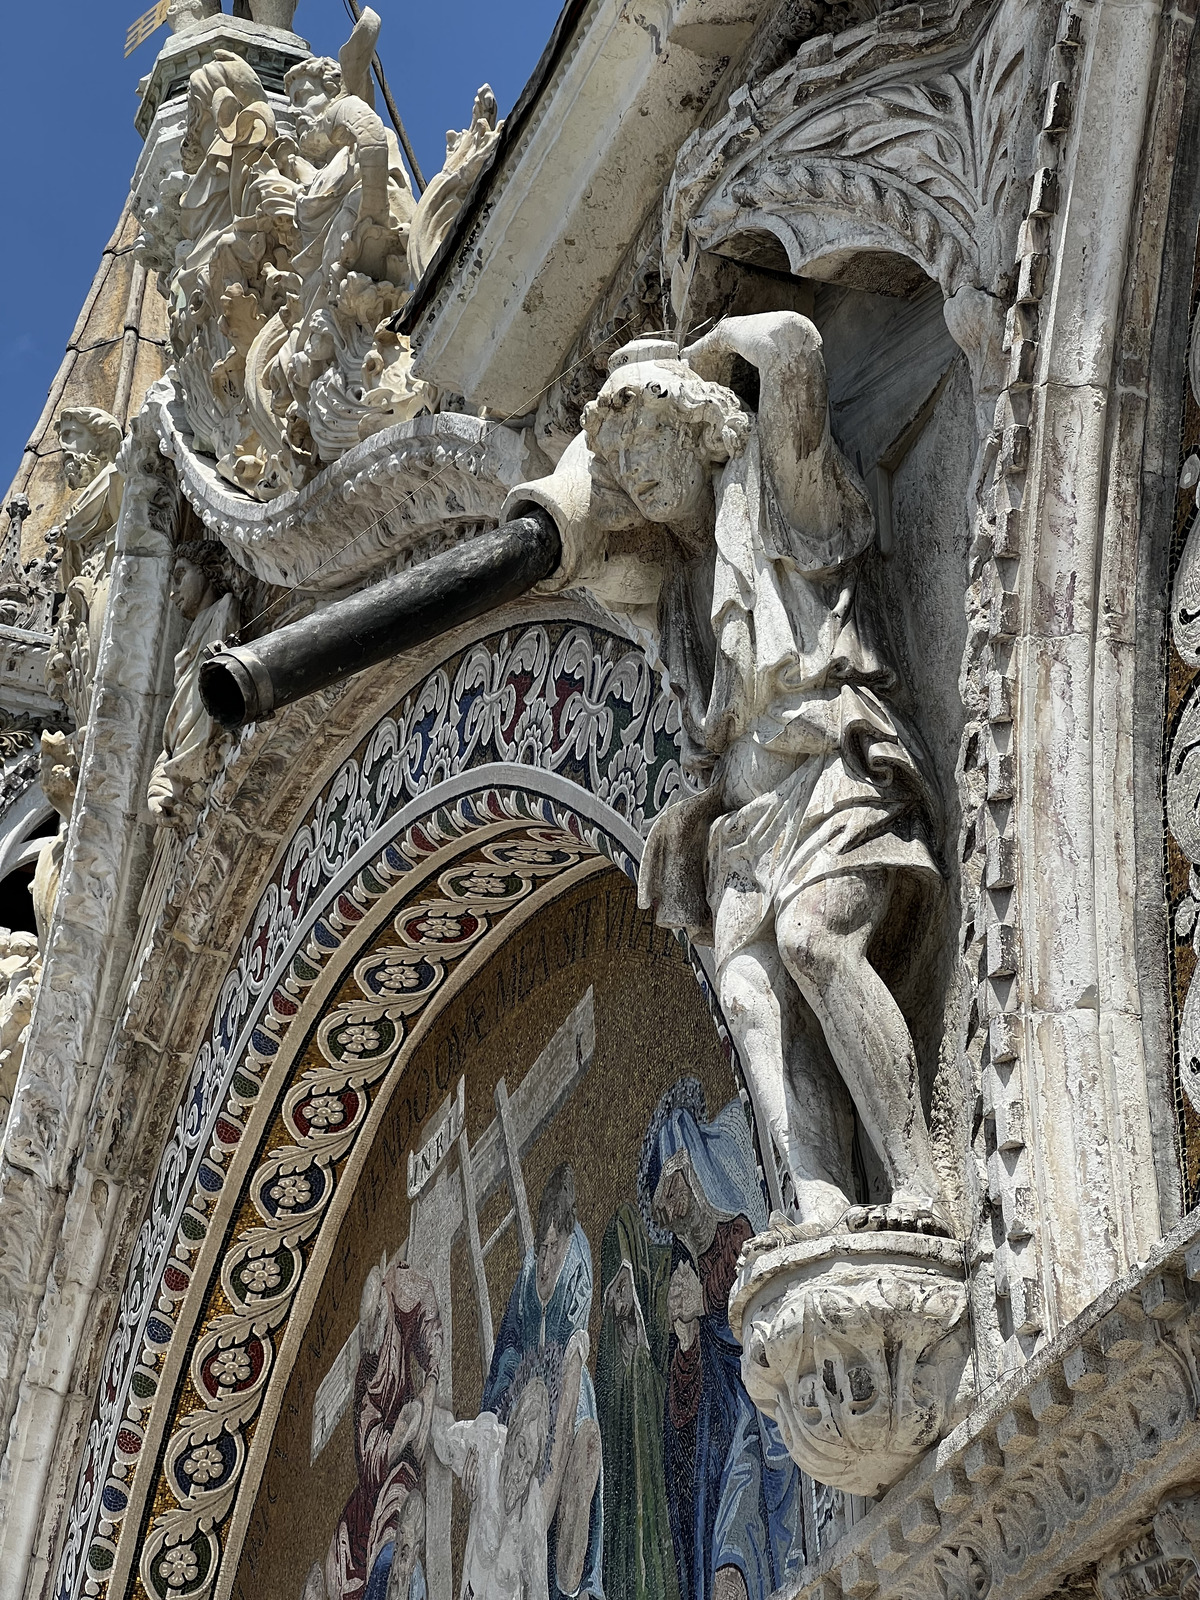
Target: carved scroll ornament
column 920, row 166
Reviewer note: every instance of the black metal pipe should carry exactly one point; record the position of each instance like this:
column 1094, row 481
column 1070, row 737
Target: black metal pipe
column 244, row 683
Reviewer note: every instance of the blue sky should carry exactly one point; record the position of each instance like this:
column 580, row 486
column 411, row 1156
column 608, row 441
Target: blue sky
column 70, row 144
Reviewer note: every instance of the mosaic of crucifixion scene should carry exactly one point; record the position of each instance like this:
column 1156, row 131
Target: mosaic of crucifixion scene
column 518, row 1376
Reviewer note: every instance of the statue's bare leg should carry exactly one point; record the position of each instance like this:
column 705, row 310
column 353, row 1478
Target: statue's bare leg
column 824, row 934
column 575, row 1505
column 803, row 1121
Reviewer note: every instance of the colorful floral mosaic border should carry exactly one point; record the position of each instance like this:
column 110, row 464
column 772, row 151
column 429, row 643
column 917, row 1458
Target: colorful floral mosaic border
column 558, row 699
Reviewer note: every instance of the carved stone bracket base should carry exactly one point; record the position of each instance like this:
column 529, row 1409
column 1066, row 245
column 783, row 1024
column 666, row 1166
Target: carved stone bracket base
column 856, row 1345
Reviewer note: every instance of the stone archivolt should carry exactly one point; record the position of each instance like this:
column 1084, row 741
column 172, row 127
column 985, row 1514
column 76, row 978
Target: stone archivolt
column 321, row 1115
column 316, row 460
column 455, row 727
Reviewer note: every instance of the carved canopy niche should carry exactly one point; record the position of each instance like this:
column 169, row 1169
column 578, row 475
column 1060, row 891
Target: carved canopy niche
column 902, row 139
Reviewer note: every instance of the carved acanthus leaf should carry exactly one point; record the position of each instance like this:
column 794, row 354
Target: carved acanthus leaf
column 921, row 167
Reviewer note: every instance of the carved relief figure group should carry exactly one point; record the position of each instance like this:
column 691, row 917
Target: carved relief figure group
column 285, row 253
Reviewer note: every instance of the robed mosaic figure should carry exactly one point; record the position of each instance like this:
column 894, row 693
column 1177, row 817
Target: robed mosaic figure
column 734, row 1492
column 550, row 1304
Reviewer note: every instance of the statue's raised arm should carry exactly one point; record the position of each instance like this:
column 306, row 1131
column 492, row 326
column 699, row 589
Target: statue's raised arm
column 815, row 488
column 733, row 541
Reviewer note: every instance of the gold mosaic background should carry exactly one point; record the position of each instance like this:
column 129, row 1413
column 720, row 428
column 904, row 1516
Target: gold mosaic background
column 652, row 1027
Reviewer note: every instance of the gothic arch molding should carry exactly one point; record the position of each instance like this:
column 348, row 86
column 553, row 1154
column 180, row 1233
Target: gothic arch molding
column 850, row 152
column 552, row 725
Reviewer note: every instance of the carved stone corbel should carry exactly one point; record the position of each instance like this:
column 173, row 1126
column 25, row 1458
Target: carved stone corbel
column 857, row 1346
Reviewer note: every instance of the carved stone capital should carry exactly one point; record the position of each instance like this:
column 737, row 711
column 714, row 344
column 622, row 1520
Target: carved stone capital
column 856, row 1346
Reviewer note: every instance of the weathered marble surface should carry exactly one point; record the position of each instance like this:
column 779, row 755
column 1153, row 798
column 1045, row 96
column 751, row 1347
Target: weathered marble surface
column 1020, row 158
column 858, row 1346
column 283, row 244
column 733, row 544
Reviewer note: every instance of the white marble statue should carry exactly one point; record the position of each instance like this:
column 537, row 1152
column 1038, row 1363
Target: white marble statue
column 20, row 974
column 236, row 218
column 59, row 776
column 91, row 441
column 190, row 754
column 284, row 260
column 342, row 374
column 734, row 543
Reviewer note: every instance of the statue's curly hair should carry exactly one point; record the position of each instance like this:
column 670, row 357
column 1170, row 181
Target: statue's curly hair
column 320, row 69
column 214, row 561
column 104, row 428
column 718, row 419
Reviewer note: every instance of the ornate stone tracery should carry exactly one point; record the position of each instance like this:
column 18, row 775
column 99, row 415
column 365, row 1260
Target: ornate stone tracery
column 1021, row 1398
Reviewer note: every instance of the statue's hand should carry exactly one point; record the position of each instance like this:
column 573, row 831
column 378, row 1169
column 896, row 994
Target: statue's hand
column 766, row 340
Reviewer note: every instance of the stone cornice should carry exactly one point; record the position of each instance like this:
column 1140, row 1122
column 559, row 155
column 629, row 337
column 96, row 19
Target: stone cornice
column 395, row 498
column 548, row 224
column 1055, row 1466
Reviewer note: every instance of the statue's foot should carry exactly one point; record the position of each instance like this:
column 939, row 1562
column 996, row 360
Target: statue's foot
column 821, row 1209
column 778, row 1233
column 903, row 1213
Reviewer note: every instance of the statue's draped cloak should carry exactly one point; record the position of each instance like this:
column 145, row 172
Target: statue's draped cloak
column 813, row 771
